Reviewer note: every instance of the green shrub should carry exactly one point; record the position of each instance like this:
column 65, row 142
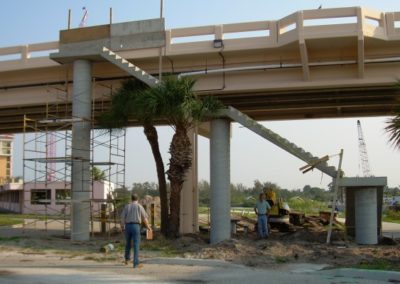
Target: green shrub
column 391, row 216
column 307, row 206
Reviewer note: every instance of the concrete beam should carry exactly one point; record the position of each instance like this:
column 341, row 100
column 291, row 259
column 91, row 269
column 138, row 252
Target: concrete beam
column 360, row 43
column 361, row 57
column 304, row 60
column 204, row 129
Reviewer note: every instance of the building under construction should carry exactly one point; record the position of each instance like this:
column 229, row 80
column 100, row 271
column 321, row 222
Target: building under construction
column 6, row 146
column 45, row 188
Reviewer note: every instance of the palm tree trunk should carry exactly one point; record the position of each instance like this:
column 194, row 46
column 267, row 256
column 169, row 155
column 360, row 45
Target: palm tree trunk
column 179, row 163
column 151, row 134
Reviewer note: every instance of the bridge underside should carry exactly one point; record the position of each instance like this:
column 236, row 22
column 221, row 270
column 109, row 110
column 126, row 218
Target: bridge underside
column 339, row 103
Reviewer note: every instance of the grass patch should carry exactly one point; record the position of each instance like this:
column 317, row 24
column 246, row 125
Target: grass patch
column 31, row 216
column 379, row 264
column 10, row 239
column 281, row 259
column 390, row 220
column 308, row 206
column 9, row 219
column 162, row 246
column 203, row 210
column 6, row 220
column 100, row 259
column 391, row 216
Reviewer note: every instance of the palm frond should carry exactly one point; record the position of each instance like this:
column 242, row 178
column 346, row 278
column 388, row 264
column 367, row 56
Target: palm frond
column 393, row 129
column 179, row 104
column 123, row 105
column 208, row 107
column 173, row 100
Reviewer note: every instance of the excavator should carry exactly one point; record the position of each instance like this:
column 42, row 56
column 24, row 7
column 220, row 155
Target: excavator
column 279, row 214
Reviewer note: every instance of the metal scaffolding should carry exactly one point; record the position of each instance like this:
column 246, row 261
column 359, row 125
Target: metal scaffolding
column 47, row 166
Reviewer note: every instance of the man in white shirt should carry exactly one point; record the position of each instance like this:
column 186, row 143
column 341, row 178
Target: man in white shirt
column 132, row 217
column 261, row 209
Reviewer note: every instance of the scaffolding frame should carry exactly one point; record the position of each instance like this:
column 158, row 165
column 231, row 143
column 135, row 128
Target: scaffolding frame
column 40, row 170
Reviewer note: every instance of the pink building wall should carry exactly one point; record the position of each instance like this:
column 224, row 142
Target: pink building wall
column 100, row 191
column 5, row 193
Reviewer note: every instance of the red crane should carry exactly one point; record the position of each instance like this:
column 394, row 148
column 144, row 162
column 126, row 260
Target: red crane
column 51, row 153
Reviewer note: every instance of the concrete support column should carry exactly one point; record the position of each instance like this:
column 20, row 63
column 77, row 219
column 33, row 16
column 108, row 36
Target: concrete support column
column 366, row 216
column 220, row 199
column 190, row 195
column 81, row 109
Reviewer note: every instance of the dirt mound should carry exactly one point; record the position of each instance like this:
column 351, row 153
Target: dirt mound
column 306, row 244
column 306, row 235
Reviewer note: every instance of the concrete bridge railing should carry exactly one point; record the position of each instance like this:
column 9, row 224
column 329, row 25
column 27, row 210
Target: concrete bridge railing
column 308, row 24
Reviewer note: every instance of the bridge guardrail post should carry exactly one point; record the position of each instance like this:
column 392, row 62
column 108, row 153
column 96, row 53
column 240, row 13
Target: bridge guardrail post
column 25, row 52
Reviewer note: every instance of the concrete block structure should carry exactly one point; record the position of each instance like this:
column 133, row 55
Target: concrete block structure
column 11, row 197
column 48, row 198
column 6, row 146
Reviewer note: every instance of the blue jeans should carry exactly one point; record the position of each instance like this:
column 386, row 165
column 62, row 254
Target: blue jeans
column 262, row 222
column 132, row 233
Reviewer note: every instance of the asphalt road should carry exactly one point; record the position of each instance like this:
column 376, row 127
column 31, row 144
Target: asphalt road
column 46, row 269
column 391, row 230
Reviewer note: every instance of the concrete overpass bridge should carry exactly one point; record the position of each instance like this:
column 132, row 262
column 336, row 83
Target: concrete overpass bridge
column 339, row 62
column 311, row 64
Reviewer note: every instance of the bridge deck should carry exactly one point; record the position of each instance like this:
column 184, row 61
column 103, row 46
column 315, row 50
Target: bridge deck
column 339, row 62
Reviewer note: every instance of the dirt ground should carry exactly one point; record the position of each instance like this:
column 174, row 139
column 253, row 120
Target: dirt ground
column 302, row 246
column 305, row 245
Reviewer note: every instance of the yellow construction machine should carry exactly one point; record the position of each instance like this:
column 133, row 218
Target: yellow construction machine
column 280, row 216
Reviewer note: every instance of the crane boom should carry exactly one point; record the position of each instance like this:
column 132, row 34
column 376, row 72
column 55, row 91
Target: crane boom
column 362, row 148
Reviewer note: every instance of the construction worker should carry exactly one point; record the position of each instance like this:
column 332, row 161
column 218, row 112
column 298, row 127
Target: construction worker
column 261, row 209
column 132, row 217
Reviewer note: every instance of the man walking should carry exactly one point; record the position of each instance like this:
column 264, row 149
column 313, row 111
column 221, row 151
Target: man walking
column 261, row 209
column 131, row 218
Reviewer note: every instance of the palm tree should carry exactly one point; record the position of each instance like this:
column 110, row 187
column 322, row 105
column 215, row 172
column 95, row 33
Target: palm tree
column 393, row 129
column 125, row 105
column 175, row 102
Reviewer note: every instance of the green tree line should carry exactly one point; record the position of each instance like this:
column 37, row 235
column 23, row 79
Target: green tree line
column 245, row 196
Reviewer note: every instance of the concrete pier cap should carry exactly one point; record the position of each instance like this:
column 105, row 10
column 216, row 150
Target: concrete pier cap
column 87, row 42
column 364, row 201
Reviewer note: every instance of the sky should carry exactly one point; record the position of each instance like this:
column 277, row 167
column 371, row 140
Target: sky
column 252, row 157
